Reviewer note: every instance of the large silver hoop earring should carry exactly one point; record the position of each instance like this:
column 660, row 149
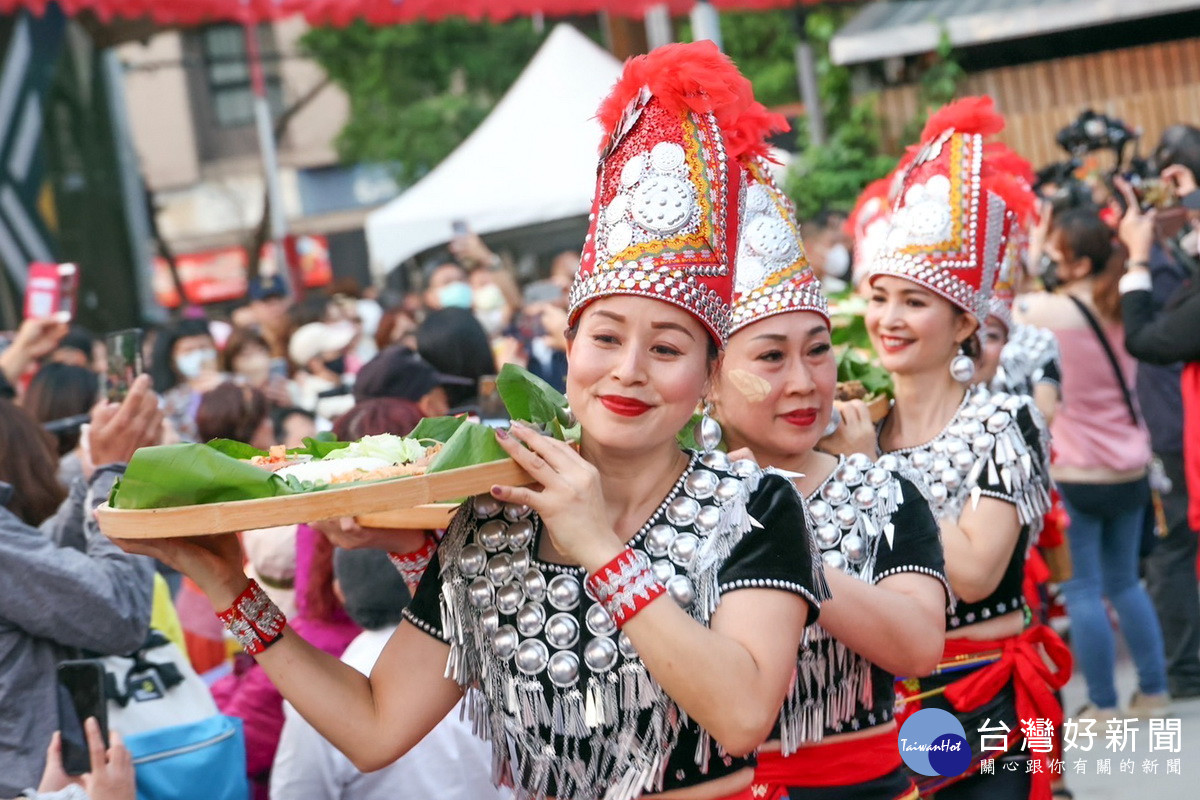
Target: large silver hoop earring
column 962, row 368
column 707, row 431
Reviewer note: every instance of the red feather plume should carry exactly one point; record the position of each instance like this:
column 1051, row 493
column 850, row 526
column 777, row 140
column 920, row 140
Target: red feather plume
column 695, row 77
column 1015, row 193
column 747, row 136
column 968, row 115
column 1002, row 158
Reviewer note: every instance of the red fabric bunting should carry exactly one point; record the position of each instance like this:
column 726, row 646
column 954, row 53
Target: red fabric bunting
column 339, row 13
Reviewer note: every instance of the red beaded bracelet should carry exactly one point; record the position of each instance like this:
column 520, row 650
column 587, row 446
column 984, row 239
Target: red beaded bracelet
column 625, row 585
column 411, row 566
column 254, row 619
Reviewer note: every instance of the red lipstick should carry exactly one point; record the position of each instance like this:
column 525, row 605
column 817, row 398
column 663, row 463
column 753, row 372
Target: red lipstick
column 624, row 406
column 893, row 344
column 801, row 417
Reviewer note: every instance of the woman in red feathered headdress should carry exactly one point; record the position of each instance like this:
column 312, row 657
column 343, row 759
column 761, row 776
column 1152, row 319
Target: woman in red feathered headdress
column 628, row 625
column 981, row 456
column 774, row 394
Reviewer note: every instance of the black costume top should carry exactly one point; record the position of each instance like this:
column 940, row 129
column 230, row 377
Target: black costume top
column 996, row 445
column 568, row 705
column 871, row 524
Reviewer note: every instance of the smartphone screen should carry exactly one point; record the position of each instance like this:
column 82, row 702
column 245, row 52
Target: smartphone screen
column 80, row 695
column 68, row 288
column 124, row 362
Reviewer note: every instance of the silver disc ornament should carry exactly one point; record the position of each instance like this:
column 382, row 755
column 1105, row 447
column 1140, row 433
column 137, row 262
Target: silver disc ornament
column 531, row 618
column 532, row 656
column 562, row 631
column 534, row 584
column 563, row 592
column 599, row 623
column 563, row 669
column 509, row 598
column 600, row 654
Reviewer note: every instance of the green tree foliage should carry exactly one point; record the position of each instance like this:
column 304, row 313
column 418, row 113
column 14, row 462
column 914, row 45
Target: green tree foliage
column 416, row 91
column 831, row 175
column 762, row 44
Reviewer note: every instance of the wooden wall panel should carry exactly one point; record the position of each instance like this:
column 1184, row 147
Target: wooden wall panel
column 1150, row 86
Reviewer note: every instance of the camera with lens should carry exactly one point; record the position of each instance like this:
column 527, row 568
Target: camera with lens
column 1092, row 132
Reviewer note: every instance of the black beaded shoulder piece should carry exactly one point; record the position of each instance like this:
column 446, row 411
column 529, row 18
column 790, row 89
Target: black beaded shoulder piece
column 996, row 446
column 568, row 705
column 1030, row 356
column 861, row 526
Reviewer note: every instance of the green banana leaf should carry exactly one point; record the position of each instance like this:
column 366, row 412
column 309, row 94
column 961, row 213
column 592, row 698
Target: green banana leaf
column 527, row 397
column 439, row 429
column 189, row 474
column 854, row 365
column 471, row 444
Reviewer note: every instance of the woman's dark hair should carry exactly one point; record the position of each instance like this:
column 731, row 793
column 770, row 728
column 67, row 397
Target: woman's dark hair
column 1082, row 234
column 28, row 464
column 59, row 391
column 280, row 415
column 230, row 412
column 377, row 415
column 454, row 342
column 239, row 339
column 388, row 324
column 162, row 365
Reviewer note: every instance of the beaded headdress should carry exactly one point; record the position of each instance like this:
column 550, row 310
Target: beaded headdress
column 772, row 274
column 1014, row 182
column 868, row 224
column 948, row 226
column 664, row 220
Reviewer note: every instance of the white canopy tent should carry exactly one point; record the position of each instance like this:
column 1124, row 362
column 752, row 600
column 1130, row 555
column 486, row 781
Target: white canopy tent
column 533, row 159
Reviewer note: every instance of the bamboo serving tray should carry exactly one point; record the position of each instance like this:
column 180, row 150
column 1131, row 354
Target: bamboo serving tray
column 426, row 517
column 417, row 501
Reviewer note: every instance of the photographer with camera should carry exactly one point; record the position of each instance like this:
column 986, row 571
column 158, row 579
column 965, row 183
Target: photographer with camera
column 1160, row 303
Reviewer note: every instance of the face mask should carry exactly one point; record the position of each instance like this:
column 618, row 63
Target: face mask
column 488, row 298
column 492, row 320
column 336, row 365
column 455, row 295
column 255, row 367
column 837, row 261
column 191, row 365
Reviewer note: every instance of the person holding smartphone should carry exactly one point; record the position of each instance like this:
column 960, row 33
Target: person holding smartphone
column 66, row 587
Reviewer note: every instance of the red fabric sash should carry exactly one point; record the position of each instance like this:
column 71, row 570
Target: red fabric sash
column 839, row 763
column 1190, row 388
column 1035, row 682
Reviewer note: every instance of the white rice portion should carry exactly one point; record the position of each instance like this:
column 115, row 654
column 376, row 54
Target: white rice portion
column 326, row 471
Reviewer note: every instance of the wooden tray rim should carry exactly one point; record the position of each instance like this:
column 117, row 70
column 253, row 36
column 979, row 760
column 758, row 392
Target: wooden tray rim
column 368, row 498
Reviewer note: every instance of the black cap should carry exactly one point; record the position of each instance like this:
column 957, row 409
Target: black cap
column 374, row 590
column 400, row 372
column 263, row 287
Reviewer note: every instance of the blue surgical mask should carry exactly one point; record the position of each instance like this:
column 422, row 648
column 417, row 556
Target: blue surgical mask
column 191, row 364
column 455, row 295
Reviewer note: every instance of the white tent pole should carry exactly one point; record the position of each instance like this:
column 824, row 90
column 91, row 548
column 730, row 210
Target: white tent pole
column 706, row 22
column 658, row 26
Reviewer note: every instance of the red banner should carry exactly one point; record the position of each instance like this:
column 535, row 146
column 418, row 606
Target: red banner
column 213, row 276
